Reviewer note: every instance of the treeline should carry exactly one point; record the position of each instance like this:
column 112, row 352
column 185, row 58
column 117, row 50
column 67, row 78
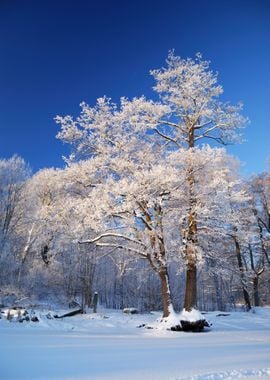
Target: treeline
column 40, row 262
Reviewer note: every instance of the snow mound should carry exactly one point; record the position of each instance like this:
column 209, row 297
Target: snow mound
column 167, row 323
column 191, row 316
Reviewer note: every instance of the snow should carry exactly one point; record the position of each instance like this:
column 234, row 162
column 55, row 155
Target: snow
column 166, row 323
column 109, row 345
column 191, row 316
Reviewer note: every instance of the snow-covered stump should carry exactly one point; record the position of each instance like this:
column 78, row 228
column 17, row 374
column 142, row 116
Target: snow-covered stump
column 192, row 321
column 196, row 326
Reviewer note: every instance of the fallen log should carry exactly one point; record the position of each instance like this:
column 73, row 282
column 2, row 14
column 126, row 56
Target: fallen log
column 69, row 314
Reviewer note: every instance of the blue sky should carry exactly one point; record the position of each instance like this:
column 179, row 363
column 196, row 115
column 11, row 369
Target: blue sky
column 54, row 54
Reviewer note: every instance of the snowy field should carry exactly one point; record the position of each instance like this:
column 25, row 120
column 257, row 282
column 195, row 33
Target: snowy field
column 110, row 346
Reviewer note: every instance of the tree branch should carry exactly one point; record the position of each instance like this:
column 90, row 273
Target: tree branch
column 167, row 138
column 175, row 125
column 111, row 234
column 120, row 246
column 218, row 139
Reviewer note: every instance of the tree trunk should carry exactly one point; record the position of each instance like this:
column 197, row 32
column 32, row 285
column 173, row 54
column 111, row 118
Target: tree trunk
column 218, row 290
column 25, row 252
column 191, row 238
column 242, row 276
column 165, row 290
column 191, row 257
column 95, row 302
column 257, row 271
column 256, row 291
column 191, row 287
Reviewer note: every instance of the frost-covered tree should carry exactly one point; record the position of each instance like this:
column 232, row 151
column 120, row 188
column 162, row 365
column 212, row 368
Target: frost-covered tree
column 119, row 203
column 259, row 247
column 38, row 198
column 14, row 173
column 188, row 113
column 129, row 198
column 126, row 182
column 144, row 132
column 137, row 218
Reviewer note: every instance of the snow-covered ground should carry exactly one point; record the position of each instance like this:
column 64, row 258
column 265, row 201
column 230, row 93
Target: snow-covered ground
column 110, row 346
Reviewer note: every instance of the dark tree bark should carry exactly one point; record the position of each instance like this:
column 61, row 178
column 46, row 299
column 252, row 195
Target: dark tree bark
column 242, row 275
column 258, row 270
column 191, row 287
column 190, row 301
column 256, row 291
column 95, row 302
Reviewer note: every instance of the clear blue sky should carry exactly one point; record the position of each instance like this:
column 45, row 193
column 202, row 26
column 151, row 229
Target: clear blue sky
column 54, row 54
